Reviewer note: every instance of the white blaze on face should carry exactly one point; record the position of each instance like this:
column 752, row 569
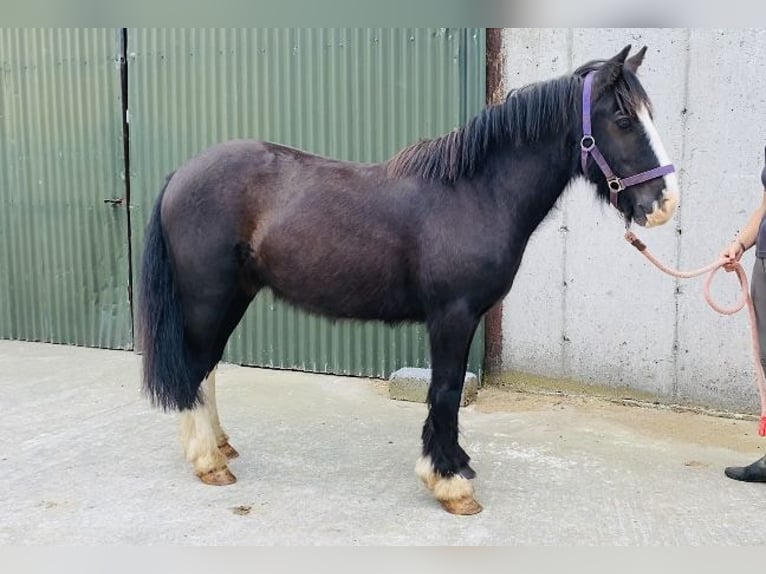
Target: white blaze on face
column 661, row 213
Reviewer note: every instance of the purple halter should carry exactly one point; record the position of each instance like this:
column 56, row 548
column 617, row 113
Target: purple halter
column 588, row 146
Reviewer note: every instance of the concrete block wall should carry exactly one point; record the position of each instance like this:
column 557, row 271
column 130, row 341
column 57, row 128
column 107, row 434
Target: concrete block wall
column 585, row 305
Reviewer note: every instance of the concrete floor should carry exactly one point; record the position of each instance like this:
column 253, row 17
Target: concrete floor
column 329, row 461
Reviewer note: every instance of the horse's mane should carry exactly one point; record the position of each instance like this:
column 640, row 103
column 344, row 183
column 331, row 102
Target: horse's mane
column 527, row 115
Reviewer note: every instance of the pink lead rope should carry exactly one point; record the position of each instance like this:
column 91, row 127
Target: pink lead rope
column 744, row 299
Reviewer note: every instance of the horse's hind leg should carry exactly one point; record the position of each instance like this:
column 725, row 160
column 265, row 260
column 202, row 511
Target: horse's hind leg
column 201, row 439
column 205, row 442
column 221, row 438
column 443, row 467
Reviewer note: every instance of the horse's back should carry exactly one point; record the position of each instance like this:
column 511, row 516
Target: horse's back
column 255, row 171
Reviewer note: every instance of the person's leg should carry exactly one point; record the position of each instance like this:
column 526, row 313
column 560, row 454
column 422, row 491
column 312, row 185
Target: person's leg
column 755, row 472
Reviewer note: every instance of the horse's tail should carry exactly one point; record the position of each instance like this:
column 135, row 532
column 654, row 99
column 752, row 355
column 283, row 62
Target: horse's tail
column 169, row 379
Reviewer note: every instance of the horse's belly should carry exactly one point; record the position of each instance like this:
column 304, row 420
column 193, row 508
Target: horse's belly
column 343, row 286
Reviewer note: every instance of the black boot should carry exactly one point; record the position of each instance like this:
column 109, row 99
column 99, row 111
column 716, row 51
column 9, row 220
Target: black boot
column 755, row 472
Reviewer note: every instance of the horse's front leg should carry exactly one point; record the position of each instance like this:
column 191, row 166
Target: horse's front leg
column 203, row 439
column 443, row 467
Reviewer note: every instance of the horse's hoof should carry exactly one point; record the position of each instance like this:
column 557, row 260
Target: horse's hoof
column 218, row 477
column 228, row 450
column 455, row 493
column 462, row 506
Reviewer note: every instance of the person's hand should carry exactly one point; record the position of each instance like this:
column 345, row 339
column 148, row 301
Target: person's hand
column 733, row 253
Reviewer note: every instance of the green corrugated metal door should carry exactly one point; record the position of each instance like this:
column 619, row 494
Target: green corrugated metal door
column 63, row 251
column 356, row 94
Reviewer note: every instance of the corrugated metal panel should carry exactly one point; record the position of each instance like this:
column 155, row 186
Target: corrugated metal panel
column 63, row 252
column 357, row 94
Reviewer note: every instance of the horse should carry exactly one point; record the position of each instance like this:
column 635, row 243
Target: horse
column 433, row 235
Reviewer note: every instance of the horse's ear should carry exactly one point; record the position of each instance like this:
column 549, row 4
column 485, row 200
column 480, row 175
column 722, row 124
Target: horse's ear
column 635, row 60
column 619, row 59
column 611, row 70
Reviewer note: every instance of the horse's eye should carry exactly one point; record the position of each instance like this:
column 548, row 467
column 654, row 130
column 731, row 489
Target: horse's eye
column 623, row 122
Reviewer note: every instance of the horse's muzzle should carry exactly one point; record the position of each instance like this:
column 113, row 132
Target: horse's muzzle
column 663, row 210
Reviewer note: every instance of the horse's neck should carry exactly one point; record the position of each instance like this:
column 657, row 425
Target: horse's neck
column 527, row 181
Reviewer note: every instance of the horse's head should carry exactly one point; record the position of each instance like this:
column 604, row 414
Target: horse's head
column 625, row 157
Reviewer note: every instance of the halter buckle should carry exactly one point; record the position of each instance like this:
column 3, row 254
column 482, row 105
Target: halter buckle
column 615, row 184
column 587, row 143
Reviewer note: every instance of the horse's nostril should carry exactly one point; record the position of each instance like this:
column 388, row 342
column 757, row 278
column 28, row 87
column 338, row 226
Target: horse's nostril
column 643, row 212
column 649, row 208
